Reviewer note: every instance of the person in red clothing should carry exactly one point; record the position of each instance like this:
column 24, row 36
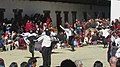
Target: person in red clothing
column 118, row 27
column 34, row 27
column 48, row 22
column 114, row 25
column 84, row 25
column 29, row 25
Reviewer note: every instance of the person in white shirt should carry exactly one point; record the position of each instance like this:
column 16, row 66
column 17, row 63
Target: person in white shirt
column 117, row 43
column 113, row 37
column 70, row 36
column 68, row 32
column 25, row 35
column 31, row 37
column 46, row 48
column 105, row 33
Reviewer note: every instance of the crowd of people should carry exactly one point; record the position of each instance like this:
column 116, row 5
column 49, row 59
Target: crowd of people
column 18, row 34
column 65, row 63
column 78, row 34
column 114, row 62
column 31, row 63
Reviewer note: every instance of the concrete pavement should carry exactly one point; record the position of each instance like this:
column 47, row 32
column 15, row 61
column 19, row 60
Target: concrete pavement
column 87, row 54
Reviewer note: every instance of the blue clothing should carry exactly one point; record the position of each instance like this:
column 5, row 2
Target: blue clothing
column 1, row 43
column 75, row 43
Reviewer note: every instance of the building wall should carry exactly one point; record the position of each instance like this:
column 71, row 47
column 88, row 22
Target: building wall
column 115, row 9
column 32, row 7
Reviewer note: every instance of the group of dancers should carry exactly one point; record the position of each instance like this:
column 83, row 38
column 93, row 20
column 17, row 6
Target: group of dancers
column 46, row 42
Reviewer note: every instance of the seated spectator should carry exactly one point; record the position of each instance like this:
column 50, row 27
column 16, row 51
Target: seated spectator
column 24, row 64
column 98, row 64
column 13, row 64
column 2, row 64
column 32, row 62
column 22, row 43
column 113, row 61
column 67, row 63
column 75, row 43
column 78, row 63
column 118, row 63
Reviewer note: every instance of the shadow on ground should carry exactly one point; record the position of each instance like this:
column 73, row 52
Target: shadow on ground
column 56, row 52
column 34, row 57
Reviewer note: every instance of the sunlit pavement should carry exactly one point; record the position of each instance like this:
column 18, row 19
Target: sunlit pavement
column 87, row 54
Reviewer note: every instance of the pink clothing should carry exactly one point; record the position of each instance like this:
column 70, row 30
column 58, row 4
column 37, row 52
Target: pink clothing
column 48, row 21
column 28, row 26
column 118, row 26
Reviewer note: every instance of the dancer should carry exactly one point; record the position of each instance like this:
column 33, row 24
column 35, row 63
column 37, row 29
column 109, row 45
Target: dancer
column 70, row 36
column 31, row 37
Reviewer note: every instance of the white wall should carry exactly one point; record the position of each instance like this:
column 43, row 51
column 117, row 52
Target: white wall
column 31, row 7
column 115, row 9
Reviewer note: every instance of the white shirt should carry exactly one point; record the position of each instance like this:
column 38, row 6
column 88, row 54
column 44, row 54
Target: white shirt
column 117, row 42
column 25, row 34
column 67, row 31
column 46, row 40
column 32, row 34
column 53, row 33
column 105, row 32
column 112, row 38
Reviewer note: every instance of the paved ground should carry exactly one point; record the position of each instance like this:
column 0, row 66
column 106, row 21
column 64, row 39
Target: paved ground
column 88, row 55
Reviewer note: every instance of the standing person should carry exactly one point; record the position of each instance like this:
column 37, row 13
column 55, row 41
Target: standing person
column 105, row 33
column 46, row 48
column 78, row 27
column 29, row 25
column 31, row 37
column 117, row 43
column 70, row 36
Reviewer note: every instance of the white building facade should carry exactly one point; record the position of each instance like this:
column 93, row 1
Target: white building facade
column 81, row 11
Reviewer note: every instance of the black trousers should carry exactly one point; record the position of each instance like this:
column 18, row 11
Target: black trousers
column 70, row 42
column 46, row 54
column 104, row 41
column 31, row 48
